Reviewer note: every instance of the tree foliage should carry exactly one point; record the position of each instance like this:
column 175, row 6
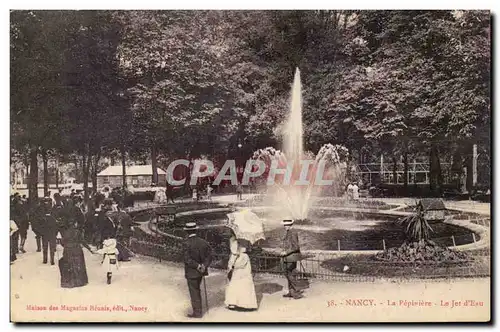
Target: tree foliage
column 167, row 84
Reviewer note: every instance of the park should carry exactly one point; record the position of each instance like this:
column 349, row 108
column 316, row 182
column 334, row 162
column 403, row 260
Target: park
column 370, row 134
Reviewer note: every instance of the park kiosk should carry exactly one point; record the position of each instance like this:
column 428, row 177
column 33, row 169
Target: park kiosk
column 433, row 209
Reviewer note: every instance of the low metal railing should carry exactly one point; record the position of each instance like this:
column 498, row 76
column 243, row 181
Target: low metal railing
column 330, row 266
column 334, row 265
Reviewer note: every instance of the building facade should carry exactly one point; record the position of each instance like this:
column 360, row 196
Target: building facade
column 137, row 176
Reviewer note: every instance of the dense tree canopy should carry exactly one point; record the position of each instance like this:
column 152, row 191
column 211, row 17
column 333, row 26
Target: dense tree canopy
column 161, row 85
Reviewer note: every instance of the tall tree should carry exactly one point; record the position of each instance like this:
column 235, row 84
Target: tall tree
column 38, row 40
column 98, row 112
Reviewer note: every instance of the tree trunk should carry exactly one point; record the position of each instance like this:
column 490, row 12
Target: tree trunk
column 27, row 166
column 124, row 166
column 57, row 172
column 85, row 171
column 89, row 173
column 394, row 169
column 45, row 173
column 187, row 184
column 33, row 175
column 435, row 178
column 94, row 171
column 405, row 169
column 154, row 164
column 76, row 169
column 470, row 166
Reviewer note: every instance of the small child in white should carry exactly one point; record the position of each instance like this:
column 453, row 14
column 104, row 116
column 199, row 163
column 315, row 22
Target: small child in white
column 110, row 254
column 209, row 192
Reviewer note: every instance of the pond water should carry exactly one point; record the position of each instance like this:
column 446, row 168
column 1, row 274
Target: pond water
column 326, row 230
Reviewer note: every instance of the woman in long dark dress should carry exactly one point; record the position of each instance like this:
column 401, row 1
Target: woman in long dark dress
column 123, row 233
column 72, row 264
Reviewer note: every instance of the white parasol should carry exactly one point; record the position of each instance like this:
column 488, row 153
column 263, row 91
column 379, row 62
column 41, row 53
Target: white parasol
column 246, row 225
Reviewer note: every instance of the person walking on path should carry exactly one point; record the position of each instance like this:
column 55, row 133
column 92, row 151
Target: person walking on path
column 170, row 193
column 290, row 256
column 239, row 191
column 240, row 292
column 49, row 228
column 76, row 214
column 36, row 218
column 24, row 224
column 72, row 264
column 209, row 192
column 108, row 228
column 110, row 255
column 105, row 225
column 123, row 233
column 16, row 216
column 197, row 259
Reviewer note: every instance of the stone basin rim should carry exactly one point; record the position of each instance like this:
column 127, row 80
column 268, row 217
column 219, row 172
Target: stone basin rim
column 482, row 231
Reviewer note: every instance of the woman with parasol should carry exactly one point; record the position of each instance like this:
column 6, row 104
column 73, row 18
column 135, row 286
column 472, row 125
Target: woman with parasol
column 246, row 229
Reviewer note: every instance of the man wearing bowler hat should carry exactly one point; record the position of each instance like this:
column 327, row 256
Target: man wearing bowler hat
column 49, row 228
column 291, row 255
column 197, row 259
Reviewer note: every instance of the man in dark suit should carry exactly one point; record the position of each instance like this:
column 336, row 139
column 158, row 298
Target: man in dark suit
column 106, row 226
column 75, row 212
column 123, row 233
column 197, row 259
column 49, row 228
column 16, row 215
column 291, row 255
column 23, row 224
column 36, row 218
column 170, row 193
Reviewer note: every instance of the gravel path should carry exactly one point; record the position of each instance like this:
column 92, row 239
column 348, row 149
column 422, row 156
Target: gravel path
column 145, row 290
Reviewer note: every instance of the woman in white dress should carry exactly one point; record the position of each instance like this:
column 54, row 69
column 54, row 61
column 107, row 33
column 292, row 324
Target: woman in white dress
column 349, row 191
column 355, row 192
column 240, row 292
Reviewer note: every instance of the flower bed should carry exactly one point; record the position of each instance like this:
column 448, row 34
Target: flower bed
column 458, row 215
column 422, row 252
column 370, row 266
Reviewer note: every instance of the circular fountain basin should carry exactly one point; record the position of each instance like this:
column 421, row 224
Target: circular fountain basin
column 325, row 229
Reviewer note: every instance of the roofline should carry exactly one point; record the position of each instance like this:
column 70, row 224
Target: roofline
column 120, row 172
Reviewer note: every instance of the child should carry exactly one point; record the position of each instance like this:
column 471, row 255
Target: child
column 110, row 254
column 209, row 192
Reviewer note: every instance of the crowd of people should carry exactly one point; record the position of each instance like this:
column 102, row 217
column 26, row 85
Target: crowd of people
column 103, row 227
column 67, row 221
